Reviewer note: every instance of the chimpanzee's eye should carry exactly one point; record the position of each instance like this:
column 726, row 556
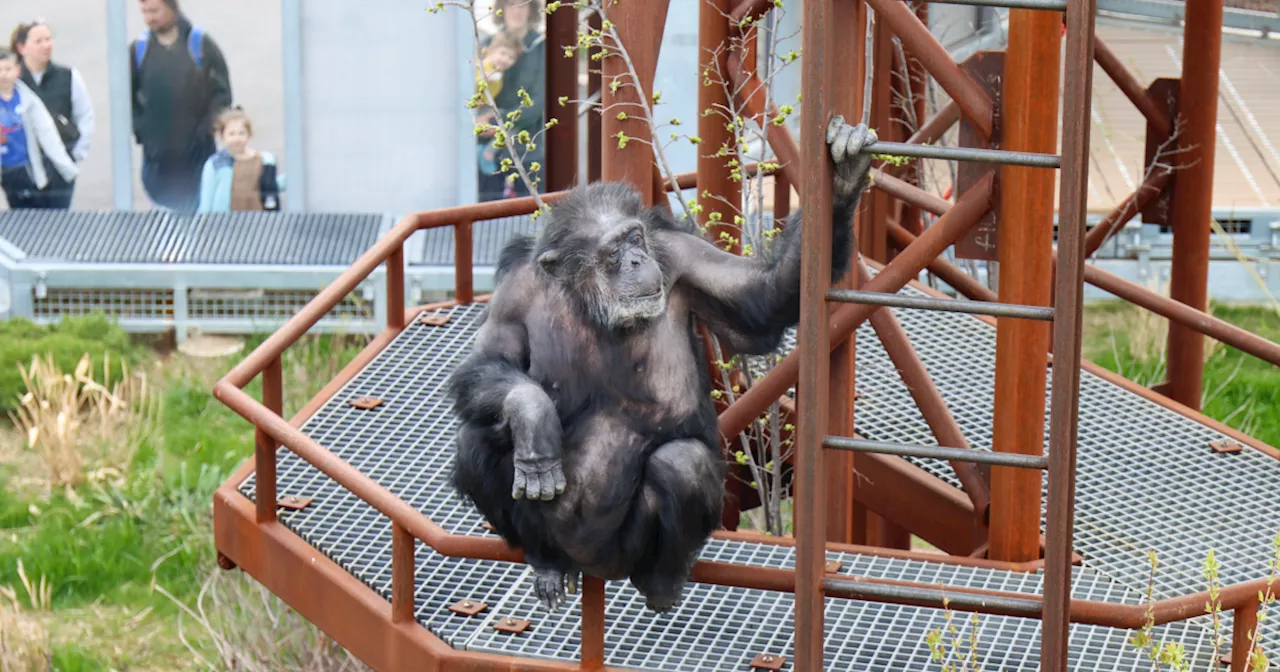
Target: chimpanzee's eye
column 635, row 237
column 613, row 256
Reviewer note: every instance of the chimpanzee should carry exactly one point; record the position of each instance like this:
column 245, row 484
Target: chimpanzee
column 588, row 435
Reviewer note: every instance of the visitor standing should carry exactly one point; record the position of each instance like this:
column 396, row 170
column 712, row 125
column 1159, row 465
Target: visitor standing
column 239, row 177
column 27, row 135
column 65, row 96
column 180, row 84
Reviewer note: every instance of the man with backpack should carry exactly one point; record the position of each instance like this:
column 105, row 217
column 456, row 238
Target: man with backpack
column 180, row 83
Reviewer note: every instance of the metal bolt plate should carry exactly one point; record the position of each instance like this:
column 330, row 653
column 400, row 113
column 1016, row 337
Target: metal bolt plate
column 293, row 502
column 833, row 566
column 434, row 320
column 1225, row 446
column 768, row 661
column 366, row 403
column 512, row 625
column 468, row 607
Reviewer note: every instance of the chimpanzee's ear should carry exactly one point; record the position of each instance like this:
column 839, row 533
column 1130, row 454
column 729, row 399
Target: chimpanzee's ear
column 549, row 260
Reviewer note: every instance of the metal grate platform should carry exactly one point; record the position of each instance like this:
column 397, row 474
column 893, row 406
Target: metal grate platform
column 157, row 237
column 406, row 443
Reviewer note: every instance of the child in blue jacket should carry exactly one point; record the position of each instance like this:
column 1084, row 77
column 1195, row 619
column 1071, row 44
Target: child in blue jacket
column 238, row 177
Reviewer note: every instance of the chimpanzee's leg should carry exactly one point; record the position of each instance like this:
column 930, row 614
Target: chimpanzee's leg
column 683, row 497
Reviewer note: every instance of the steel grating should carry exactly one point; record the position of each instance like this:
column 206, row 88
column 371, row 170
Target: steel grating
column 487, row 239
column 269, row 304
column 406, row 444
column 159, row 237
column 123, row 304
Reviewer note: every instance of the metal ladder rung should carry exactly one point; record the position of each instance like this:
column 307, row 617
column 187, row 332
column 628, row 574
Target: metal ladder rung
column 946, row 305
column 855, row 589
column 937, row 452
column 1050, row 5
column 972, row 154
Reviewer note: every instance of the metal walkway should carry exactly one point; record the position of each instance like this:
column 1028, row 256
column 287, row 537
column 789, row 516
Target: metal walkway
column 1148, row 479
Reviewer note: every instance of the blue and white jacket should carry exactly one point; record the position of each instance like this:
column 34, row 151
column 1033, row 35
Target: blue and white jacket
column 215, row 182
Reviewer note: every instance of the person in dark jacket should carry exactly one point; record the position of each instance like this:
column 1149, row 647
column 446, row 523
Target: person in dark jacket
column 180, row 84
column 63, row 91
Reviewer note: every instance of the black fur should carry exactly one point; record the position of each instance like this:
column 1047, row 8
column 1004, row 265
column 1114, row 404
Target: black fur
column 617, row 417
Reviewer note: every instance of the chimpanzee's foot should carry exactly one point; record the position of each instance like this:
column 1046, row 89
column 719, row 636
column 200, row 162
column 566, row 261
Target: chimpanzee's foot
column 549, row 586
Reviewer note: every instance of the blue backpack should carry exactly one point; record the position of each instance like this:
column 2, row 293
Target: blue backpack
column 195, row 44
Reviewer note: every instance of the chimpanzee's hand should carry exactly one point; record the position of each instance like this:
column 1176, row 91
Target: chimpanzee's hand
column 852, row 164
column 536, row 435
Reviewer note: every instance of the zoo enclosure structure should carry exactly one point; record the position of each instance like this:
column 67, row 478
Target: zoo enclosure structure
column 388, row 635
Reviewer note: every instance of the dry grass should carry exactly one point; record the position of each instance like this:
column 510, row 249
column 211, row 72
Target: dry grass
column 82, row 427
column 241, row 626
column 24, row 639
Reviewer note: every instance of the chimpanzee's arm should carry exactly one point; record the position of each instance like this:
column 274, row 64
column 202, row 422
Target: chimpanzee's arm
column 751, row 301
column 491, row 389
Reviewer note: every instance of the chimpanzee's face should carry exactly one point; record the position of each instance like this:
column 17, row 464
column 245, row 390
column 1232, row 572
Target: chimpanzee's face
column 628, row 273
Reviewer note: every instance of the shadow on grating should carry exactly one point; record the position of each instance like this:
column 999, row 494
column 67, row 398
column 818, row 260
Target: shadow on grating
column 405, row 444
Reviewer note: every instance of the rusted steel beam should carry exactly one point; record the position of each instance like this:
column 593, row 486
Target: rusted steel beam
column 973, row 101
column 1184, row 315
column 717, row 192
column 593, row 650
column 402, row 568
column 395, row 289
column 895, row 275
column 561, row 140
column 927, row 397
column 948, row 272
column 914, row 499
column 908, row 193
column 464, row 283
column 1132, row 88
column 639, row 27
column 1028, row 122
column 1244, row 633
column 749, row 8
column 813, row 374
column 1146, row 192
column 1068, row 305
column 937, row 126
column 781, row 198
column 1193, row 196
column 845, row 98
column 265, row 446
column 878, row 208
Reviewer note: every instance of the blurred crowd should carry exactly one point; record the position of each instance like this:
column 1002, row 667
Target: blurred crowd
column 197, row 153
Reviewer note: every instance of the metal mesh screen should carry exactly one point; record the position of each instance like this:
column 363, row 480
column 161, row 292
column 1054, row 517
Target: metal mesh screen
column 487, row 240
column 405, row 444
column 269, row 304
column 158, row 237
column 122, row 304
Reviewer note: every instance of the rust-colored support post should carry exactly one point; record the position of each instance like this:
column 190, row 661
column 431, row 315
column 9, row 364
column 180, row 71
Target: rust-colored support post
column 561, row 140
column 845, row 97
column 813, row 337
column 1146, row 192
column 781, row 198
column 1193, row 195
column 872, row 241
column 402, row 568
column 592, row 623
column 1029, row 122
column 595, row 135
column 1244, row 628
column 1068, row 315
column 914, row 88
column 639, row 26
column 395, row 289
column 264, row 445
column 463, row 282
column 716, row 191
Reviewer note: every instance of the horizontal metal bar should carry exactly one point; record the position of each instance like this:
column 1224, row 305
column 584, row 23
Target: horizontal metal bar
column 973, row 154
column 1050, row 5
column 946, row 305
column 849, row 588
column 938, row 452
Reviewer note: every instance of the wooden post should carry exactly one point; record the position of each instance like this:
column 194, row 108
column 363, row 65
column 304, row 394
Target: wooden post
column 1025, row 246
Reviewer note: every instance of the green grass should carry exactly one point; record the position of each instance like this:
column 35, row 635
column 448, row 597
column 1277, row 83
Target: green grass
column 1239, row 390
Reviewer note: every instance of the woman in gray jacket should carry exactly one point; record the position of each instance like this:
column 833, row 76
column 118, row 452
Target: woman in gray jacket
column 27, row 135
